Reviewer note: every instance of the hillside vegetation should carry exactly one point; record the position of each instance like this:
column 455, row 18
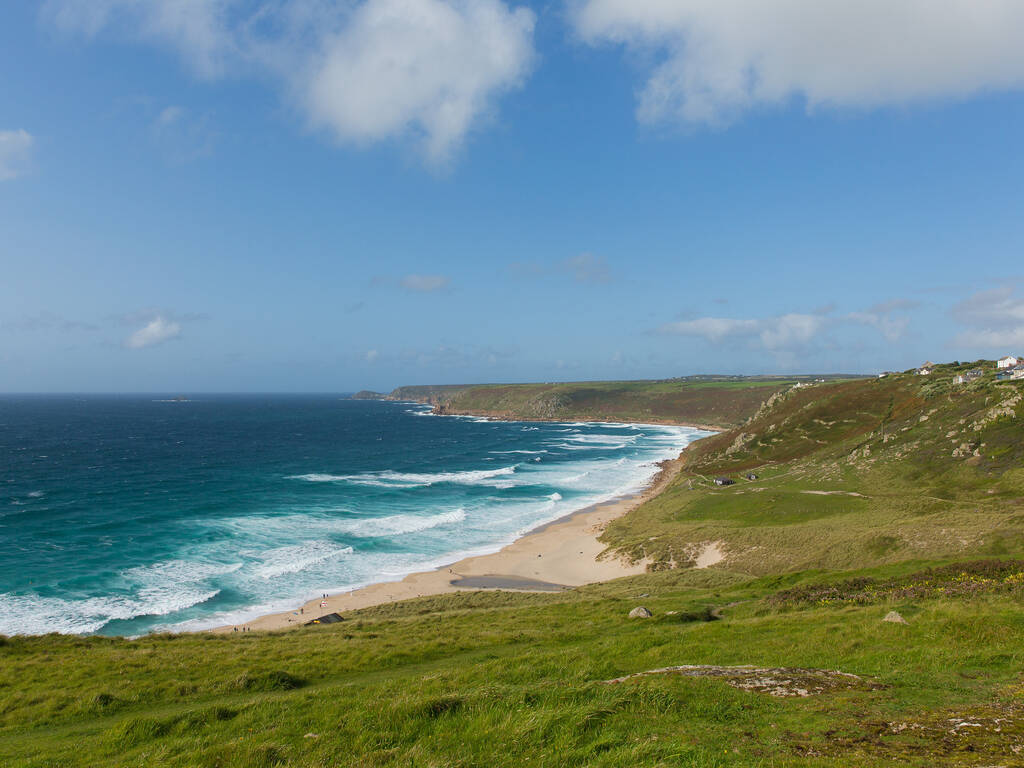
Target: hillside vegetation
column 719, row 402
column 900, row 494
column 869, row 471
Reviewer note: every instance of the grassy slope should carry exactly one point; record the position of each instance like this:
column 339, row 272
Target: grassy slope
column 498, row 679
column 881, row 449
column 717, row 403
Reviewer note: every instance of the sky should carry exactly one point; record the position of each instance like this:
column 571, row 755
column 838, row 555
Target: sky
column 332, row 195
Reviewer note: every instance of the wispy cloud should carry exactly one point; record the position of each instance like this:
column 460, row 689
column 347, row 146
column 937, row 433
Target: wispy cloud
column 370, row 71
column 994, row 320
column 771, row 333
column 15, row 153
column 46, row 321
column 183, row 135
column 424, row 283
column 156, row 331
column 582, row 268
column 715, row 59
column 885, row 318
column 587, row 268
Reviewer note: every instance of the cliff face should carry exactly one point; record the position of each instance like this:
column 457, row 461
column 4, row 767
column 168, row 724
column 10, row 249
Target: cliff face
column 431, row 394
column 702, row 404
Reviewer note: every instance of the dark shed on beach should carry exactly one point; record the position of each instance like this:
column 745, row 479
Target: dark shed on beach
column 330, row 618
column 723, row 481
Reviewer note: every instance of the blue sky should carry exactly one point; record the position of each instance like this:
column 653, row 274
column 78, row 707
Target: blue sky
column 227, row 195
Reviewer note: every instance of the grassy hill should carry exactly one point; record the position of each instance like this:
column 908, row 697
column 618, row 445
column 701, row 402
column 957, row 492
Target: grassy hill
column 717, row 401
column 869, row 471
column 904, row 493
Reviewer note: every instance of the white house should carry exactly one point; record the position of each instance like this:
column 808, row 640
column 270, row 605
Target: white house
column 1008, row 362
column 926, row 369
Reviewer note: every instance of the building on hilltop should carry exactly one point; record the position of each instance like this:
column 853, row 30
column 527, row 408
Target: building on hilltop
column 1010, row 361
column 1015, row 373
column 926, row 369
column 971, row 375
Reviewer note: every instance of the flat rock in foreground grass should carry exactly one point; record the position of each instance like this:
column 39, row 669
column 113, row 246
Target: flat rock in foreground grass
column 640, row 613
column 775, row 681
column 893, row 617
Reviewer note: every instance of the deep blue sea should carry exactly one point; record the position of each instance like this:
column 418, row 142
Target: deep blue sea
column 129, row 514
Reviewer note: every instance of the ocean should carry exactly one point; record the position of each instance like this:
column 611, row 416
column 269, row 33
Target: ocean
column 122, row 515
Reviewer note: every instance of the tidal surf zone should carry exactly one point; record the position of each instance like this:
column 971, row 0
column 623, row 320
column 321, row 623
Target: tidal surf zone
column 125, row 515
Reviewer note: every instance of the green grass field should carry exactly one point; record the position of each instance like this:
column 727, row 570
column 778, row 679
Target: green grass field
column 905, row 494
column 717, row 403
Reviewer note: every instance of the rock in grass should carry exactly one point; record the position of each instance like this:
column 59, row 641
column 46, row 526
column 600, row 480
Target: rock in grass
column 640, row 613
column 894, row 617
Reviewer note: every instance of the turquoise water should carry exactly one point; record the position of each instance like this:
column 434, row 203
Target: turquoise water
column 125, row 515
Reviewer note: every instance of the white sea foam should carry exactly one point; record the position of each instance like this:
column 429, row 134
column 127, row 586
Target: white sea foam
column 398, row 525
column 297, row 557
column 605, row 439
column 409, row 479
column 292, row 553
column 160, row 589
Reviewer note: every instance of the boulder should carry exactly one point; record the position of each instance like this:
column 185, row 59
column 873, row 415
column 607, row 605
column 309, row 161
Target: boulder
column 640, row 613
column 894, row 617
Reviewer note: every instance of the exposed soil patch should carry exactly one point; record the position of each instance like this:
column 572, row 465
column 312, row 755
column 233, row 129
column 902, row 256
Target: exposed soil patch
column 710, row 554
column 775, row 681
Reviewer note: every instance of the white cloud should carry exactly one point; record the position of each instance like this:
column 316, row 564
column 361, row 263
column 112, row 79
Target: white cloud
column 1008, row 340
column 156, row 331
column 427, row 67
column 588, row 268
column 199, row 29
column 15, row 151
column 883, row 318
column 169, row 115
column 424, row 283
column 772, row 333
column 183, row 135
column 994, row 320
column 364, row 71
column 718, row 58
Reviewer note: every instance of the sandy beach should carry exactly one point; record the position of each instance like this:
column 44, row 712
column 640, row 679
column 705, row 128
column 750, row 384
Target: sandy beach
column 554, row 556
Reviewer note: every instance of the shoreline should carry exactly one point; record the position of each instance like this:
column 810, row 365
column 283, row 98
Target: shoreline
column 557, row 555
column 438, row 410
